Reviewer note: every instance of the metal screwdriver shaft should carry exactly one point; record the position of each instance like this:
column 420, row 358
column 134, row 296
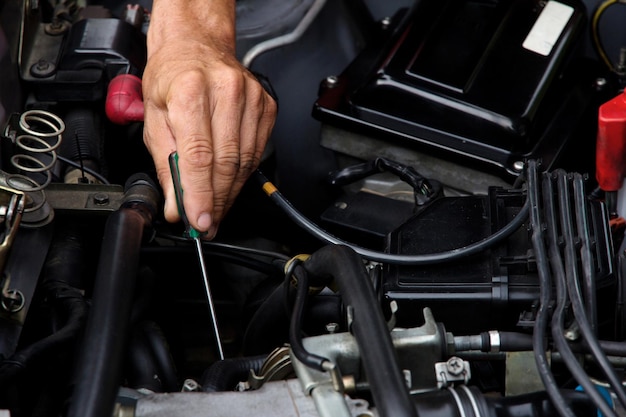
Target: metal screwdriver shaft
column 192, row 233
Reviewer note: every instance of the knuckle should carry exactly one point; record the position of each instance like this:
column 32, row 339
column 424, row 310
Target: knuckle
column 249, row 162
column 198, row 151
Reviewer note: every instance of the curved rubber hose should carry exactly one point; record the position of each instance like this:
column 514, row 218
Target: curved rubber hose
column 369, row 328
column 225, row 374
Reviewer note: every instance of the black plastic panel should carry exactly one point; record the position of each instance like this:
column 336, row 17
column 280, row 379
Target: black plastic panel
column 454, row 76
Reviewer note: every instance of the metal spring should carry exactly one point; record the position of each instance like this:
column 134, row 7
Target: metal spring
column 37, row 151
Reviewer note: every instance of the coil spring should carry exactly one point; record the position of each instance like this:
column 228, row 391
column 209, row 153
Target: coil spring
column 42, row 135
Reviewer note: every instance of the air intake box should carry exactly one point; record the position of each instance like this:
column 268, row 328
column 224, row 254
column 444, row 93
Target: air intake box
column 485, row 82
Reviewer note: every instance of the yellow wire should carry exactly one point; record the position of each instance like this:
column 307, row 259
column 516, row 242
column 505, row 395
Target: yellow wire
column 594, row 31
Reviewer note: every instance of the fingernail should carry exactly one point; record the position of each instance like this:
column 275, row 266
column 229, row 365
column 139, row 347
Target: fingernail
column 212, row 231
column 204, row 221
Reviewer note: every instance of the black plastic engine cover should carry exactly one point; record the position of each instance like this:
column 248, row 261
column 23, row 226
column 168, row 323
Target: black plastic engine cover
column 488, row 290
column 466, row 77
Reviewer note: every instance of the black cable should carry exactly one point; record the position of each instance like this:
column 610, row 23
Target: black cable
column 295, row 336
column 90, row 171
column 573, row 289
column 422, row 259
column 545, row 296
column 228, row 247
column 245, row 261
column 582, row 223
column 558, row 317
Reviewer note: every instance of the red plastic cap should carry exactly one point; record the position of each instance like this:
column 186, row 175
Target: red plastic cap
column 611, row 144
column 124, row 102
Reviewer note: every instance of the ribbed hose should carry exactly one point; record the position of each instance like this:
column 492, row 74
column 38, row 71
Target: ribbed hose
column 225, row 374
column 379, row 357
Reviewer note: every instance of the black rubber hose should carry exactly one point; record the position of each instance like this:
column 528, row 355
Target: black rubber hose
column 100, row 362
column 378, row 355
column 558, row 317
column 162, row 355
column 141, row 371
column 421, row 259
column 545, row 294
column 61, row 275
column 81, row 136
column 225, row 374
column 69, row 302
column 509, row 342
column 537, row 404
column 463, row 401
column 295, row 331
column 265, row 330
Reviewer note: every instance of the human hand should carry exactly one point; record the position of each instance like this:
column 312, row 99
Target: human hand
column 200, row 102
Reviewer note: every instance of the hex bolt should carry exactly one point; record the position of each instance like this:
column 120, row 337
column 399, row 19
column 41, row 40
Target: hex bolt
column 42, row 69
column 101, row 199
column 190, row 385
column 454, row 365
column 600, row 83
column 331, row 81
column 332, row 327
column 518, row 166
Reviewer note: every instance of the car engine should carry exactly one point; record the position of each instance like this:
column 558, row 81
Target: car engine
column 436, row 227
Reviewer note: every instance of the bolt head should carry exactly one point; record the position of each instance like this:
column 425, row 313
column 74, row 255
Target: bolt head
column 101, row 199
column 518, row 166
column 331, row 81
column 332, row 327
column 42, row 69
column 455, row 366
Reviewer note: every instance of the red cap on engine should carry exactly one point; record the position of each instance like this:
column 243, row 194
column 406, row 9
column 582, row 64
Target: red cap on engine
column 124, row 102
column 611, row 144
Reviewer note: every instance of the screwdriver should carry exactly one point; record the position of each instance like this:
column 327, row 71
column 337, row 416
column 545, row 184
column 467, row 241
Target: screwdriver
column 192, row 233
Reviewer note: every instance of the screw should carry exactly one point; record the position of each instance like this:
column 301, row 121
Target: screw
column 42, row 69
column 190, row 386
column 101, row 199
column 518, row 166
column 332, row 327
column 331, row 81
column 455, row 366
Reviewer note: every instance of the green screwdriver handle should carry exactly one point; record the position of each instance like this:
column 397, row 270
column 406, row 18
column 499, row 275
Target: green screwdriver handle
column 178, row 191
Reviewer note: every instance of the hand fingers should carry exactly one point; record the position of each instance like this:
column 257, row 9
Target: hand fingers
column 188, row 119
column 160, row 143
column 226, row 132
column 256, row 125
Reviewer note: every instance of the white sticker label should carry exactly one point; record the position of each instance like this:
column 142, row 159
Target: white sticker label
column 548, row 28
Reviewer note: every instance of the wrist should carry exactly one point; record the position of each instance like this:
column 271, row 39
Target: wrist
column 211, row 23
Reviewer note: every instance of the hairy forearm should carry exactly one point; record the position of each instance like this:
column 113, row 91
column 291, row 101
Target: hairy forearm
column 209, row 21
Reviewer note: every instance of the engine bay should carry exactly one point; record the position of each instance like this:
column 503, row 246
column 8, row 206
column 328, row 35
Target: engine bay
column 436, row 227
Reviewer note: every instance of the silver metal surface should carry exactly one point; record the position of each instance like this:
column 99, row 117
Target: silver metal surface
column 207, row 289
column 274, row 399
column 453, row 371
column 418, row 350
column 522, row 375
